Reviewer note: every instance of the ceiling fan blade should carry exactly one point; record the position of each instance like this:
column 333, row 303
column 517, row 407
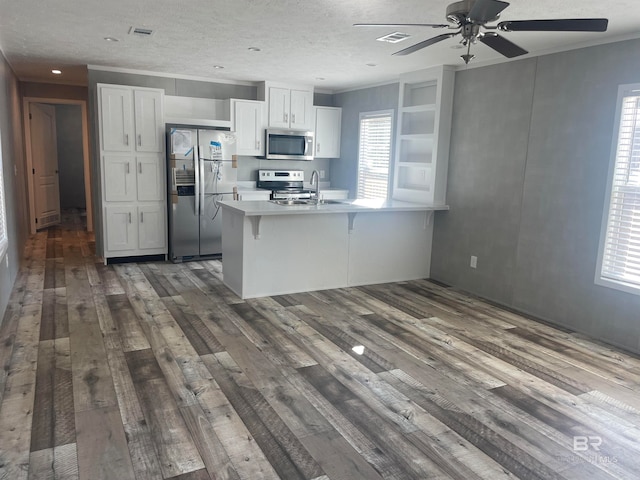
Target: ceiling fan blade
column 566, row 25
column 425, row 43
column 486, row 10
column 432, row 25
column 502, row 45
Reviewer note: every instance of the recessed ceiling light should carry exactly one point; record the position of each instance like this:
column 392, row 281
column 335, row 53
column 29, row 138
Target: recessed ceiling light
column 457, row 46
column 218, row 67
column 320, row 78
column 371, row 65
column 111, row 39
column 253, row 49
column 394, row 37
column 56, row 72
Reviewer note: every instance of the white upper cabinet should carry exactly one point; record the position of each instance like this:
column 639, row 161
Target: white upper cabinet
column 131, row 119
column 301, row 109
column 148, row 120
column 116, row 117
column 279, row 104
column 249, row 124
column 328, row 123
column 288, row 106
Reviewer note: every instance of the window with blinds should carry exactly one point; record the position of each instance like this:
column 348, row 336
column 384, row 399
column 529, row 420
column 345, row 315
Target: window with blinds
column 374, row 154
column 619, row 260
column 3, row 213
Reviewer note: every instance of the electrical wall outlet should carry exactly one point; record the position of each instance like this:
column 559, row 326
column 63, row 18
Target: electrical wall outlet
column 322, row 173
column 474, row 262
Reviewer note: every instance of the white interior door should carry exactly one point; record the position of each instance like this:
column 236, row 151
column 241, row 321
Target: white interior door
column 44, row 153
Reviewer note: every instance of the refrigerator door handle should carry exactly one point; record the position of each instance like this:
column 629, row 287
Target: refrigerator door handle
column 202, row 185
column 196, row 171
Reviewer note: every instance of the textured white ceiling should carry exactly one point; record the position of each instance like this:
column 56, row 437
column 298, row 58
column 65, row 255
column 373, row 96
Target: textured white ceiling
column 301, row 41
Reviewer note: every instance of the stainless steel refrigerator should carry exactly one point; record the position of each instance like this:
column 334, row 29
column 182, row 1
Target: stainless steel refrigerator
column 201, row 173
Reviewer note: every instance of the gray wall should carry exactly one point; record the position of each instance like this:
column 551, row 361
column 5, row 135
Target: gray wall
column 70, row 157
column 14, row 180
column 530, row 150
column 344, row 171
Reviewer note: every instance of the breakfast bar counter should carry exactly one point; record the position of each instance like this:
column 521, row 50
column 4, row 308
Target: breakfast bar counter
column 272, row 249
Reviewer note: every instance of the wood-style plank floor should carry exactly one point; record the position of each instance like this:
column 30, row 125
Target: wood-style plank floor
column 158, row 371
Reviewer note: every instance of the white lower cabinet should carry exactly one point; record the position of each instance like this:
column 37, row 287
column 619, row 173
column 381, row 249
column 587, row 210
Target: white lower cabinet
column 132, row 230
column 121, row 233
column 151, row 226
column 250, row 195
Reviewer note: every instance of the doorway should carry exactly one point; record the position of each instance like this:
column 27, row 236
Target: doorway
column 55, row 181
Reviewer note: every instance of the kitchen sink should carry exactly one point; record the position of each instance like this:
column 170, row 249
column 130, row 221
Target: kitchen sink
column 292, row 202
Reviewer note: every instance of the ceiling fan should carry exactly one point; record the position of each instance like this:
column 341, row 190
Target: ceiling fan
column 467, row 17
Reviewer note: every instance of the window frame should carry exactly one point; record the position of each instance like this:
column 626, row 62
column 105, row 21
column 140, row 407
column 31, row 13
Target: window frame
column 623, row 91
column 372, row 114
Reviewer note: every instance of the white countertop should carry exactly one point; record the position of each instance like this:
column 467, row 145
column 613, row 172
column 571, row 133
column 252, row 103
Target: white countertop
column 259, row 208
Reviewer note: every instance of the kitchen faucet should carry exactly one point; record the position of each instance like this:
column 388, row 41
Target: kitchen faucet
column 316, row 175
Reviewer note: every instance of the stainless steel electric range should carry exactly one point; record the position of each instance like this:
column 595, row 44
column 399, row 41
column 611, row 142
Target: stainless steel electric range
column 284, row 184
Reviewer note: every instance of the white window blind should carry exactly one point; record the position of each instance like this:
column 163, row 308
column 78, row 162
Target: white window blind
column 374, row 154
column 3, row 213
column 620, row 255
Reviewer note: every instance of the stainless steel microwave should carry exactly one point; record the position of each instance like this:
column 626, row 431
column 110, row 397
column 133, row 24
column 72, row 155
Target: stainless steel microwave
column 289, row 144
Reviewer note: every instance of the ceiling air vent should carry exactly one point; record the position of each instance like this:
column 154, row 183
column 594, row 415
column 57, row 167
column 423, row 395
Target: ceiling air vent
column 394, row 37
column 143, row 32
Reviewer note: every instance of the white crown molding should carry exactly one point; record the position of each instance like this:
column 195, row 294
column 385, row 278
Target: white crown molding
column 171, row 75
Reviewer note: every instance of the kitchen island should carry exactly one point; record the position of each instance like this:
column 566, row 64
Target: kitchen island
column 272, row 249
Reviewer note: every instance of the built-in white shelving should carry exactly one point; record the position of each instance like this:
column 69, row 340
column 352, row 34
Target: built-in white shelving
column 422, row 143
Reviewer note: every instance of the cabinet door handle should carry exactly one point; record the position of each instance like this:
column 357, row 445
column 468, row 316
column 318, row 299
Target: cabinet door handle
column 293, row 118
column 126, row 139
column 127, row 172
column 141, row 217
column 139, row 140
column 257, row 144
column 317, row 147
column 129, row 217
column 139, row 168
column 286, row 117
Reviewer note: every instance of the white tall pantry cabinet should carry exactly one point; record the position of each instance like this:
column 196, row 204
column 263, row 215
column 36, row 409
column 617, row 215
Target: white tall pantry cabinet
column 132, row 171
column 423, row 134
